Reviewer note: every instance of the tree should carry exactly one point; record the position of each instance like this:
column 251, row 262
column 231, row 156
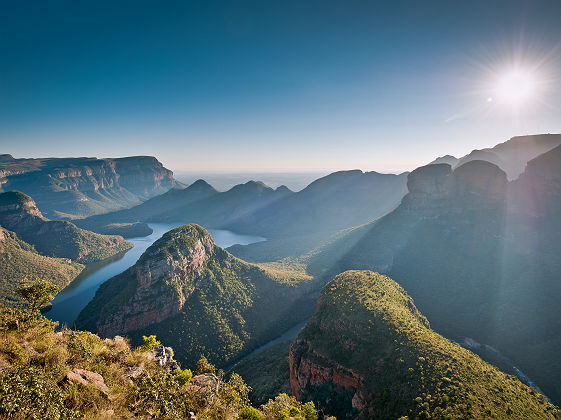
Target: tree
column 204, row 366
column 37, row 294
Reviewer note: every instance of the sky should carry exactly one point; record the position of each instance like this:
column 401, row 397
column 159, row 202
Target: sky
column 275, row 86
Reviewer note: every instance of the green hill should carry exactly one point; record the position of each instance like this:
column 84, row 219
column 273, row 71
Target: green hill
column 479, row 255
column 62, row 239
column 199, row 298
column 19, row 260
column 369, row 353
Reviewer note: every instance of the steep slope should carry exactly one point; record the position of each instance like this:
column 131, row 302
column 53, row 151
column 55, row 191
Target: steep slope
column 369, row 353
column 19, row 214
column 511, row 156
column 19, row 260
column 77, row 187
column 480, row 256
column 199, row 298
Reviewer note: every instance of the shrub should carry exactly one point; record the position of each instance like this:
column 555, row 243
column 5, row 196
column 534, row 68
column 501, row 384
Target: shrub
column 249, row 413
column 149, row 343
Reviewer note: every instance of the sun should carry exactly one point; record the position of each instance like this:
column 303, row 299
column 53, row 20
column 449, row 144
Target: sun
column 515, row 88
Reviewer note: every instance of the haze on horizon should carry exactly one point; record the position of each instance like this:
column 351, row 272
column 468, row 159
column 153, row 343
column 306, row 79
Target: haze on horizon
column 228, row 86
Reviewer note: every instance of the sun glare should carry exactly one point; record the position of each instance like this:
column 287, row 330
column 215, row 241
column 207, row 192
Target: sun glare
column 515, row 88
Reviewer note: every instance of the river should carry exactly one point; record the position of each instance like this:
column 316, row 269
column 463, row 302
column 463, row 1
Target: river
column 70, row 301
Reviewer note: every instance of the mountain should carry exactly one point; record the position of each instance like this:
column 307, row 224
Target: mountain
column 19, row 213
column 199, row 298
column 337, row 201
column 369, row 353
column 19, row 260
column 511, row 156
column 480, row 256
column 77, row 187
column 199, row 203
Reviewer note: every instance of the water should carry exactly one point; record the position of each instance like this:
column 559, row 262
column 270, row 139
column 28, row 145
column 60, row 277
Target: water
column 68, row 303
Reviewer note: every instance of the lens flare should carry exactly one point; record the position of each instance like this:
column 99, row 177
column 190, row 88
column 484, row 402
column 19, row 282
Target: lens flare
column 516, row 88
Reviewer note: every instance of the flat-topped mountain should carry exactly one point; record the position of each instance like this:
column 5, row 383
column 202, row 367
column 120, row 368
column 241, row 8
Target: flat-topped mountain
column 197, row 296
column 19, row 213
column 479, row 255
column 369, row 353
column 76, row 187
column 511, row 156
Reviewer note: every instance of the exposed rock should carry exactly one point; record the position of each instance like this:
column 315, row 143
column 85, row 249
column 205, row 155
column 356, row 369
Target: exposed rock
column 163, row 356
column 205, row 380
column 435, row 189
column 86, row 378
column 84, row 186
column 155, row 274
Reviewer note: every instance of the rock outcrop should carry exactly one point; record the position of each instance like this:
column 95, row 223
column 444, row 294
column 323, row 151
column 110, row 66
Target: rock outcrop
column 369, row 353
column 511, row 156
column 435, row 188
column 198, row 298
column 62, row 239
column 73, row 187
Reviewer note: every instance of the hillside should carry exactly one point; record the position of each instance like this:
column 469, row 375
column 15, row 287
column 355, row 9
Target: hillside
column 19, row 260
column 369, row 353
column 511, row 156
column 67, row 188
column 62, row 239
column 75, row 374
column 198, row 298
column 480, row 256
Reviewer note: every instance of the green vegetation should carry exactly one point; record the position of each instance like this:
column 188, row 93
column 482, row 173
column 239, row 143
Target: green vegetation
column 228, row 307
column 40, row 378
column 36, row 294
column 267, row 373
column 19, row 260
column 368, row 327
column 62, row 239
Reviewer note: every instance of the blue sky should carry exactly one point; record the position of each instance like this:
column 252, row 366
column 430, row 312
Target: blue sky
column 272, row 86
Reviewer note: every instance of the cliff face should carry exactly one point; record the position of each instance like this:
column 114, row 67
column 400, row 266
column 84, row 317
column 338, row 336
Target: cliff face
column 19, row 214
column 199, row 298
column 85, row 186
column 369, row 353
column 165, row 277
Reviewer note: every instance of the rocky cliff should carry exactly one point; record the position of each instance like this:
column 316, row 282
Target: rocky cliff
column 369, row 353
column 199, row 298
column 19, row 214
column 75, row 187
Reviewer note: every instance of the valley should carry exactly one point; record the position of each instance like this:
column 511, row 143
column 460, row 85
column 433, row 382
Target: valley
column 465, row 242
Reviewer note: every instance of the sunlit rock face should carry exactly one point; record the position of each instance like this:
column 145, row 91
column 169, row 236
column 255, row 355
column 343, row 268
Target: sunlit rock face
column 161, row 281
column 67, row 187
